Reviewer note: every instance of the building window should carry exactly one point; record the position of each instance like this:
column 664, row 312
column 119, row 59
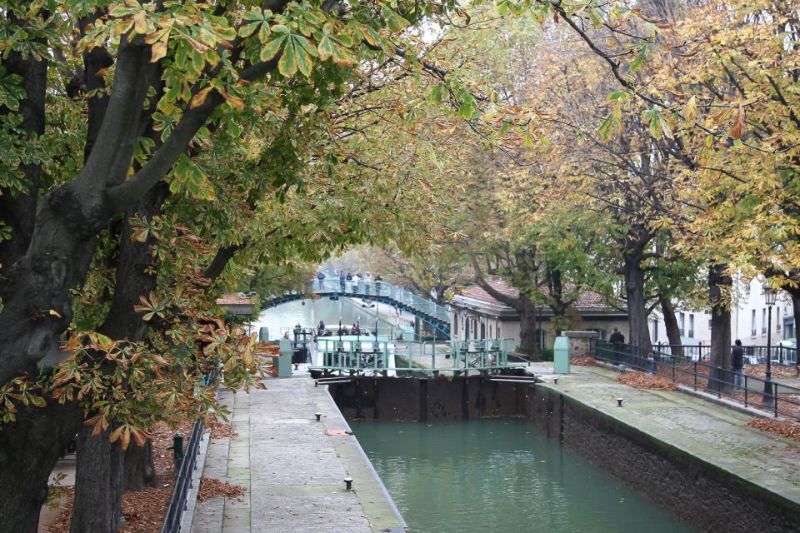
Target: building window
column 753, row 324
column 763, row 320
column 455, row 326
column 483, row 329
column 691, row 325
column 682, row 321
column 655, row 330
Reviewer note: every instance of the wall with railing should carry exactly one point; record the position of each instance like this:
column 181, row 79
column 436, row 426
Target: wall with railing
column 750, row 391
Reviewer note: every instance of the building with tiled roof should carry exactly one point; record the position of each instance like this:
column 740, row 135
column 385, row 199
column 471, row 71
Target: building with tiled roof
column 237, row 304
column 476, row 314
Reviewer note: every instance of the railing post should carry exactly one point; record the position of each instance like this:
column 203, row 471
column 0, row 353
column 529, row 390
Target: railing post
column 745, row 388
column 775, row 392
column 695, row 376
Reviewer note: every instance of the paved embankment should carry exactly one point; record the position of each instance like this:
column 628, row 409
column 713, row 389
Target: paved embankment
column 689, row 431
column 293, row 467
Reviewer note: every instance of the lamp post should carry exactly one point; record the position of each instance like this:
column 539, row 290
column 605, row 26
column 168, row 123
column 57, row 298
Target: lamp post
column 770, row 296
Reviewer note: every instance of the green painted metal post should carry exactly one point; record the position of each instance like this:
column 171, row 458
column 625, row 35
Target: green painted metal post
column 285, row 359
column 561, row 355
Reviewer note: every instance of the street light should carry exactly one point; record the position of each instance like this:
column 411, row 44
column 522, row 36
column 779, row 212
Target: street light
column 770, row 296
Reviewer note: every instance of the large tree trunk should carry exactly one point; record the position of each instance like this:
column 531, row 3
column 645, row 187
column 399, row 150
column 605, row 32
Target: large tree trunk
column 639, row 334
column 671, row 325
column 29, row 449
column 98, row 484
column 140, row 470
column 719, row 285
column 528, row 339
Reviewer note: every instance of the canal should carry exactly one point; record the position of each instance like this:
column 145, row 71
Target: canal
column 500, row 475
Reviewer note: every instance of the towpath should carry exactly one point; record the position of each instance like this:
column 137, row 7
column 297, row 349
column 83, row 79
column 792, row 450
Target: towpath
column 293, row 467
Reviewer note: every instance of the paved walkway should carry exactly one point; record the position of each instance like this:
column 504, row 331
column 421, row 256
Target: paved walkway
column 293, row 467
column 711, row 432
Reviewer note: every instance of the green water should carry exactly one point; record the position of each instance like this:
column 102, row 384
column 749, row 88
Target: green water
column 500, row 476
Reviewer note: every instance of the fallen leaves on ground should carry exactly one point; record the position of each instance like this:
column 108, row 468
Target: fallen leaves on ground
column 143, row 510
column 585, row 360
column 778, row 427
column 640, row 380
column 213, row 488
column 221, row 430
column 778, row 371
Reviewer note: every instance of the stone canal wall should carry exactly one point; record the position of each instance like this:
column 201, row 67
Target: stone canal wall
column 699, row 492
column 704, row 495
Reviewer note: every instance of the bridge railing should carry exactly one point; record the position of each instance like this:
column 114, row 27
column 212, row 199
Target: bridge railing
column 755, row 354
column 381, row 289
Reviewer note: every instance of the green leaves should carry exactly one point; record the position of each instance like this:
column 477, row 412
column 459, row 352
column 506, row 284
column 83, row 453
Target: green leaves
column 659, row 127
column 189, row 179
column 297, row 52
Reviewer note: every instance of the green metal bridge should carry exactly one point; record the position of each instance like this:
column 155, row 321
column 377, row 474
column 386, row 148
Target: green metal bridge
column 435, row 315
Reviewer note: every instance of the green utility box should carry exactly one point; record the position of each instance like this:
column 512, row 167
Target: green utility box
column 284, row 362
column 561, row 355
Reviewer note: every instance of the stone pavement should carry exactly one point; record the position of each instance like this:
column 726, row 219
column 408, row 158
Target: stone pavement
column 293, row 467
column 711, row 432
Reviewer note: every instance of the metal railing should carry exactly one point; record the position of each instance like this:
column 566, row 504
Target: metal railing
column 361, row 355
column 183, row 482
column 751, row 391
column 179, row 499
column 783, row 355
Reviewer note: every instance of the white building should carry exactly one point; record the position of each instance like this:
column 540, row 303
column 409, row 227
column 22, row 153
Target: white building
column 751, row 317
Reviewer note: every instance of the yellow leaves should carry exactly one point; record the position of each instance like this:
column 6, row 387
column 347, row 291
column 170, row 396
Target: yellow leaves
column 690, row 110
column 200, row 98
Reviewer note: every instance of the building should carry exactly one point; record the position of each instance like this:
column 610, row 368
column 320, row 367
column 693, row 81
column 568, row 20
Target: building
column 694, row 325
column 751, row 318
column 475, row 314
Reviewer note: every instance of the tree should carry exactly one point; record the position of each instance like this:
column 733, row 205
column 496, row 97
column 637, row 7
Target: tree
column 160, row 86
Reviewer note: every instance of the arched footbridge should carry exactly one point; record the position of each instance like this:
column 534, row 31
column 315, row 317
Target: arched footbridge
column 426, row 310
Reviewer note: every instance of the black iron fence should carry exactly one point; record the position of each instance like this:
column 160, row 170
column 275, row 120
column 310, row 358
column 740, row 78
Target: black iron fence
column 183, row 482
column 751, row 391
column 179, row 500
column 754, row 354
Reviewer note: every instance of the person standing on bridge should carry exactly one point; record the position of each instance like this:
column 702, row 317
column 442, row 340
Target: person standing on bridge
column 356, row 283
column 367, row 281
column 341, row 279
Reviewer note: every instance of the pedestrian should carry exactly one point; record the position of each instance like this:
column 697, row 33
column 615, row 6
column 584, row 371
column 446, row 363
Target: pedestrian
column 321, row 327
column 617, row 340
column 341, row 279
column 378, row 280
column 356, row 283
column 737, row 363
column 320, row 279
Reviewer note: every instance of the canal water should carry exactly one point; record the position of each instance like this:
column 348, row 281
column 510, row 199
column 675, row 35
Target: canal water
column 309, row 312
column 500, row 476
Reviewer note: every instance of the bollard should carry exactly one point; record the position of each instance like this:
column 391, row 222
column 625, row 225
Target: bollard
column 619, row 402
column 555, row 381
column 348, row 483
column 318, row 415
column 177, row 450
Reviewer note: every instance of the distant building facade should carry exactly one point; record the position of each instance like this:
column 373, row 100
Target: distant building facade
column 475, row 314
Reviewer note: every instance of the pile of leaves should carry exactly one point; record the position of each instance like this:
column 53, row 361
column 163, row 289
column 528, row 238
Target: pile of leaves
column 221, row 430
column 213, row 488
column 783, row 428
column 585, row 360
column 778, row 371
column 640, row 380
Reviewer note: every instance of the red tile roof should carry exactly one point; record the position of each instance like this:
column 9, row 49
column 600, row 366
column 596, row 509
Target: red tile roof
column 587, row 301
column 234, row 299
